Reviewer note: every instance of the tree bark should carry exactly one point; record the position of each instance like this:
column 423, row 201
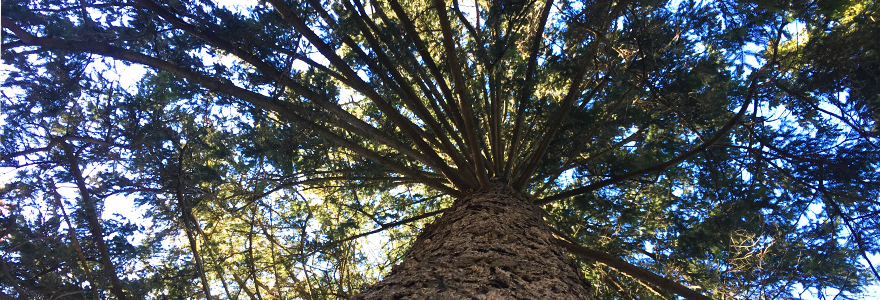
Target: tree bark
column 491, row 244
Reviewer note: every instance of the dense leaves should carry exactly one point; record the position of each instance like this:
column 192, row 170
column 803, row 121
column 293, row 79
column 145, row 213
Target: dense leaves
column 293, row 149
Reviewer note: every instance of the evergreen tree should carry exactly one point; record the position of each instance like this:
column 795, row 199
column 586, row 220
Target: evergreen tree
column 509, row 149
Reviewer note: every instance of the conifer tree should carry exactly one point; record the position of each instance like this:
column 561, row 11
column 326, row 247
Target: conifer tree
column 386, row 149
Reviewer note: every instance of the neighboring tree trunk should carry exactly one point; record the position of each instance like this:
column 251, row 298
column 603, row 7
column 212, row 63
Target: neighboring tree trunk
column 90, row 208
column 492, row 244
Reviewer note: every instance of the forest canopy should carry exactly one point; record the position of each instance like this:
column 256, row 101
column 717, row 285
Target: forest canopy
column 296, row 149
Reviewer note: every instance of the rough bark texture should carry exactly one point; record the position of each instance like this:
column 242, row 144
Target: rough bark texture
column 492, row 244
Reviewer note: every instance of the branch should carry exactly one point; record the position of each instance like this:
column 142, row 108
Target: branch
column 91, row 140
column 428, row 60
column 582, row 162
column 828, row 199
column 187, row 220
column 410, row 97
column 417, row 72
column 464, row 97
column 54, row 141
column 284, row 109
column 10, row 156
column 76, row 245
column 474, row 32
column 526, row 92
column 569, row 162
column 310, row 181
column 663, row 166
column 857, row 236
column 494, row 123
column 574, row 92
column 348, row 121
column 381, row 228
column 244, row 286
column 840, row 117
column 631, row 270
column 411, row 130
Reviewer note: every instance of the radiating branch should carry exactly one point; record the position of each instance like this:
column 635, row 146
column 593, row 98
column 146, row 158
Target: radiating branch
column 409, row 96
column 629, row 269
column 354, row 81
column 285, row 109
column 443, row 112
column 428, row 59
column 464, row 97
column 526, row 90
column 347, row 120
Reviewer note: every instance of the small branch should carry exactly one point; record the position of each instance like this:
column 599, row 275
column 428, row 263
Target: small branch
column 26, row 152
column 382, row 228
column 568, row 165
column 583, row 142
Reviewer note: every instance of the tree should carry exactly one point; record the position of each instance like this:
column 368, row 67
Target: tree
column 506, row 149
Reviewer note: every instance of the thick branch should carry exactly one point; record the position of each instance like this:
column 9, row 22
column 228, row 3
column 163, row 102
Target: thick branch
column 406, row 126
column 187, row 219
column 428, row 60
column 409, row 95
column 631, row 270
column 464, row 97
column 527, row 89
column 346, row 119
column 417, row 72
column 76, row 245
column 286, row 110
column 494, row 124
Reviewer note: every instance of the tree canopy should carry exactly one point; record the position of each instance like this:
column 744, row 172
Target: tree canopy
column 294, row 148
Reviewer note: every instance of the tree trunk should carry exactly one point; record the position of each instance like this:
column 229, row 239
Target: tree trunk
column 492, row 244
